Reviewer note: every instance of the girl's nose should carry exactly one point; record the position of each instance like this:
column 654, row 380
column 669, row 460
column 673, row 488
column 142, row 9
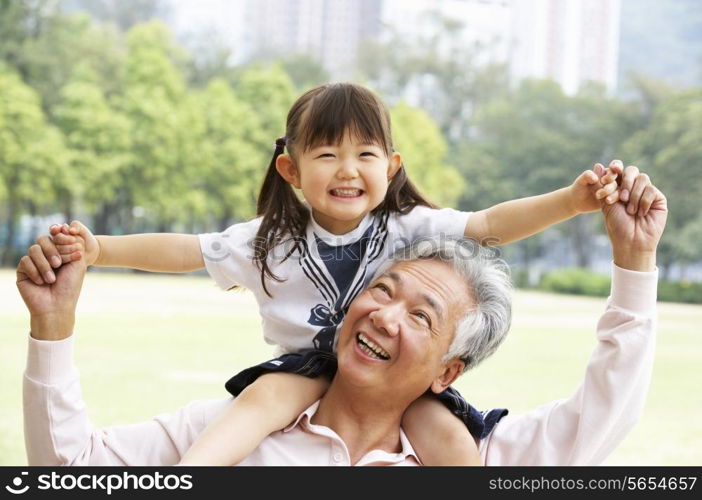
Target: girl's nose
column 347, row 170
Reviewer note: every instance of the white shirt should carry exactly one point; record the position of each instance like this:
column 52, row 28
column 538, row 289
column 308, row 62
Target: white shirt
column 309, row 299
column 579, row 430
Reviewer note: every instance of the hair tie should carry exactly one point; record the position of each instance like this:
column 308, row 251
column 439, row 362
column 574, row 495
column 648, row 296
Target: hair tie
column 280, row 142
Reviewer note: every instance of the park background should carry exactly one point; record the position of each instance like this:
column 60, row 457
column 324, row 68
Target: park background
column 140, row 116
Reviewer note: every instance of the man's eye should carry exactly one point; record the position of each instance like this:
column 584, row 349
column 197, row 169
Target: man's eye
column 423, row 317
column 383, row 288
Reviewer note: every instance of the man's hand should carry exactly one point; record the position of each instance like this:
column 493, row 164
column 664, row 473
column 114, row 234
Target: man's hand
column 635, row 236
column 52, row 306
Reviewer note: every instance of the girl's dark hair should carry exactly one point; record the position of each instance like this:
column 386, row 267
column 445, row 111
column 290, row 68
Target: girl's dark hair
column 320, row 116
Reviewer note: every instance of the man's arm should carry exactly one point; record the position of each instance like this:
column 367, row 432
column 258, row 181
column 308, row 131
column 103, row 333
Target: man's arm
column 56, row 427
column 584, row 428
column 58, row 432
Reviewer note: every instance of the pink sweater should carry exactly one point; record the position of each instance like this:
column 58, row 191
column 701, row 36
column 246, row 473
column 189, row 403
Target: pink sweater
column 579, row 430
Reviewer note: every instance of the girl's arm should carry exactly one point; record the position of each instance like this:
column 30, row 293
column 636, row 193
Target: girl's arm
column 517, row 219
column 269, row 404
column 156, row 252
column 439, row 437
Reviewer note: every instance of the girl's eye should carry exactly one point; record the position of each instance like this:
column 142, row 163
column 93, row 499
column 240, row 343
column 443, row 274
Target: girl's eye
column 367, row 153
column 326, row 155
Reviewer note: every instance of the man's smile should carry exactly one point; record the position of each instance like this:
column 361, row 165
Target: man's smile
column 370, row 348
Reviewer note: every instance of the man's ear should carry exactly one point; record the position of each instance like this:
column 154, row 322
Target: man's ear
column 452, row 369
column 287, row 170
column 395, row 164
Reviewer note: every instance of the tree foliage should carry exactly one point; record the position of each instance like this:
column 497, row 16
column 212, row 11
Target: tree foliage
column 116, row 122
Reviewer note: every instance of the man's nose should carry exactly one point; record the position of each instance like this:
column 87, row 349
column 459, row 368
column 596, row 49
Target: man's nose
column 387, row 318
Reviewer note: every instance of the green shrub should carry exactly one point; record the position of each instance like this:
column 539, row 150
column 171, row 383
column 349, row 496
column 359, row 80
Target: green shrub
column 680, row 291
column 578, row 281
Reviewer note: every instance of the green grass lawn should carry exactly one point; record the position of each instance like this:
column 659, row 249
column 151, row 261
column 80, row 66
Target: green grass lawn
column 150, row 343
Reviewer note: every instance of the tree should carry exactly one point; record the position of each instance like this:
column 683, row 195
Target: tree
column 418, row 138
column 441, row 74
column 163, row 128
column 33, row 158
column 124, row 13
column 230, row 162
column 670, row 150
column 304, row 71
column 537, row 139
column 268, row 90
column 45, row 47
column 100, row 142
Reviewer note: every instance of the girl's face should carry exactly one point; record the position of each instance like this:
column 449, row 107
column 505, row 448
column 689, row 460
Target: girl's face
column 342, row 183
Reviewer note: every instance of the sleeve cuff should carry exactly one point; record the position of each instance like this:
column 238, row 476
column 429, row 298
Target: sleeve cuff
column 49, row 361
column 214, row 251
column 634, row 290
column 463, row 223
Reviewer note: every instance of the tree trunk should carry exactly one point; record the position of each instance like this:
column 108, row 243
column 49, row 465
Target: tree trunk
column 68, row 207
column 102, row 218
column 666, row 266
column 223, row 221
column 10, row 228
column 581, row 237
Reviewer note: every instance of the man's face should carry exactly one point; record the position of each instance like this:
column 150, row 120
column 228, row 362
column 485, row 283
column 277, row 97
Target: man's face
column 396, row 332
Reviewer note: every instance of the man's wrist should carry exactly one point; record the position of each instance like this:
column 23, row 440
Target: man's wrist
column 52, row 326
column 644, row 261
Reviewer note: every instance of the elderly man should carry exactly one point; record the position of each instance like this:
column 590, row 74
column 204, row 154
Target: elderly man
column 433, row 311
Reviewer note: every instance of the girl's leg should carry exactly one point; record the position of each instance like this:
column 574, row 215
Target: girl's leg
column 437, row 435
column 269, row 404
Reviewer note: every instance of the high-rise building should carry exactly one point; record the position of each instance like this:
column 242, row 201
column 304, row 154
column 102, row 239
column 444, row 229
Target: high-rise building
column 328, row 30
column 569, row 41
column 484, row 24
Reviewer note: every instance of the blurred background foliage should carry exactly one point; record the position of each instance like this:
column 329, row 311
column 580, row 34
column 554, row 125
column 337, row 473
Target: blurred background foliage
column 116, row 124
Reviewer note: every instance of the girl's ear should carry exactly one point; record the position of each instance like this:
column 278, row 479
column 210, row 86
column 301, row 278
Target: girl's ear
column 452, row 369
column 395, row 164
column 287, row 170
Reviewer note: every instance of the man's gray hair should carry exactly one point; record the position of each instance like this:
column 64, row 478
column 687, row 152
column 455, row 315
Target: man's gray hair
column 485, row 325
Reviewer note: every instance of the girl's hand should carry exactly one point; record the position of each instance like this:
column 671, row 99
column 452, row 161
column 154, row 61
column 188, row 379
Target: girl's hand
column 76, row 237
column 594, row 185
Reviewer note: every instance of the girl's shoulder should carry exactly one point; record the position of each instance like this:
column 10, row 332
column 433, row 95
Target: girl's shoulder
column 427, row 221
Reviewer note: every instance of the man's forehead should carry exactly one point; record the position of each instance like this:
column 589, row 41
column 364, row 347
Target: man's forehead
column 434, row 281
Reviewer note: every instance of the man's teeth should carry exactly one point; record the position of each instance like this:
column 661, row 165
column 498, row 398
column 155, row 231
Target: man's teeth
column 371, row 348
column 346, row 192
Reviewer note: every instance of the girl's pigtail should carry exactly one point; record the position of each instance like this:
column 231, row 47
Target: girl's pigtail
column 402, row 196
column 282, row 212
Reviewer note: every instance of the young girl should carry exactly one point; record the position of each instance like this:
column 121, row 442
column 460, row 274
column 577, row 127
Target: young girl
column 305, row 260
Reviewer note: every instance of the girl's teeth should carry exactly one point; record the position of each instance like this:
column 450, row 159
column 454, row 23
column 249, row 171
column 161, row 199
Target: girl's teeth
column 346, row 192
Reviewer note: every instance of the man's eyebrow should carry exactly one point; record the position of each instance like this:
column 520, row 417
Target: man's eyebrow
column 427, row 298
